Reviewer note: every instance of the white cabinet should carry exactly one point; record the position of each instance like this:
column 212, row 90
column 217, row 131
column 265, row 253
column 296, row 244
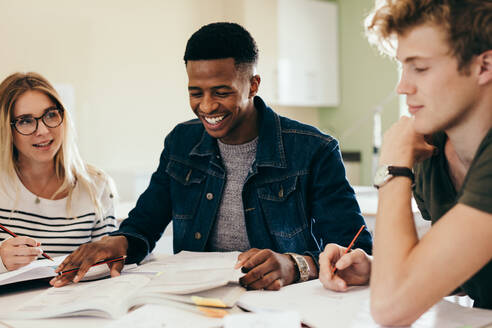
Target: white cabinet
column 307, row 53
column 298, row 43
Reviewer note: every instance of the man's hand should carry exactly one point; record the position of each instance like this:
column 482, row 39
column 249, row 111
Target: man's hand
column 88, row 254
column 266, row 269
column 19, row 251
column 353, row 268
column 402, row 146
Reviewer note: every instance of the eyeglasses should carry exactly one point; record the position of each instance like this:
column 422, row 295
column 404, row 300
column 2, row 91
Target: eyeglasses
column 27, row 125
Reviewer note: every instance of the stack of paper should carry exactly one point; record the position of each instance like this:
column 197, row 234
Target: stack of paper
column 200, row 282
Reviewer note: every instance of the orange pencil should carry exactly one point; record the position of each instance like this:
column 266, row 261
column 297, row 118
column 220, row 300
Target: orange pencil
column 334, row 270
column 119, row 258
column 14, row 235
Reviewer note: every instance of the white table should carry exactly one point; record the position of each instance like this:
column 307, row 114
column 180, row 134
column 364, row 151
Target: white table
column 317, row 306
column 323, row 308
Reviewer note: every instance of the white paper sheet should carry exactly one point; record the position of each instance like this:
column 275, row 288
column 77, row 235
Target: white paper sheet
column 34, row 270
column 158, row 316
column 320, row 307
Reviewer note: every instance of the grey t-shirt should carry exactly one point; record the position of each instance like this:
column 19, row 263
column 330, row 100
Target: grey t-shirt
column 229, row 231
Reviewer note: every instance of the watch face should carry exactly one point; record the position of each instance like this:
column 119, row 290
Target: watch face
column 381, row 175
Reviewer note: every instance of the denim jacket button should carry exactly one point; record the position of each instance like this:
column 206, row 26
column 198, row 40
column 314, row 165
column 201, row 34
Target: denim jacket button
column 210, row 196
column 198, row 235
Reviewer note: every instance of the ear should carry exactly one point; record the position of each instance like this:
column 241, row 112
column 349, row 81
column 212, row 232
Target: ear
column 255, row 85
column 485, row 62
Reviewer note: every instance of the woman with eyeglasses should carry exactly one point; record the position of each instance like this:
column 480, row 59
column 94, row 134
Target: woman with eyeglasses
column 49, row 198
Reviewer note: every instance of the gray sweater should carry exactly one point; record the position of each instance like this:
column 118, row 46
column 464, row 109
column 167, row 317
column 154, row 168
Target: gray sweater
column 229, row 231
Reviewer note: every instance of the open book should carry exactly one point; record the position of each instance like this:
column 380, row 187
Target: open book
column 35, row 270
column 201, row 279
column 46, row 268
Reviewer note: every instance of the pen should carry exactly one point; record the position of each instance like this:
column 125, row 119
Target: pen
column 334, row 270
column 14, row 235
column 115, row 259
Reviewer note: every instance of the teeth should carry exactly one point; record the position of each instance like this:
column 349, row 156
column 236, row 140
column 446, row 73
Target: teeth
column 214, row 120
column 43, row 144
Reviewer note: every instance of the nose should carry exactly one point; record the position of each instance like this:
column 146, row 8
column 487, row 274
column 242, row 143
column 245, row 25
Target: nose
column 208, row 105
column 42, row 128
column 405, row 86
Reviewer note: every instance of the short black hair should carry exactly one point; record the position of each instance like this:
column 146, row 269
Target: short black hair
column 222, row 40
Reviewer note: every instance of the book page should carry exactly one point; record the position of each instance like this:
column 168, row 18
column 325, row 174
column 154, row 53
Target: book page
column 104, row 298
column 46, row 268
column 185, row 260
column 35, row 270
column 189, row 272
column 222, row 297
column 181, row 274
column 189, row 281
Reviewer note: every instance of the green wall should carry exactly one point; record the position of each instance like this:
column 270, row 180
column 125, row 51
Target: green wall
column 366, row 79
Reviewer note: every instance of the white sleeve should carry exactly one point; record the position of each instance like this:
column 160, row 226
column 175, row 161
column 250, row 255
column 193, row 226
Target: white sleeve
column 107, row 223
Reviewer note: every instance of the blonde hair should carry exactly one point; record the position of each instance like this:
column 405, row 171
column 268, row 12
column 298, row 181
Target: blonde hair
column 69, row 166
column 468, row 24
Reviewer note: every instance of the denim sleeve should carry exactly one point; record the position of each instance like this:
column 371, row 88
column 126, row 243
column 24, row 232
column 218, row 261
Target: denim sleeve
column 335, row 213
column 152, row 213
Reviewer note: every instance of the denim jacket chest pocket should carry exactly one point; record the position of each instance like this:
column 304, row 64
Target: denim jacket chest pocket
column 186, row 186
column 283, row 210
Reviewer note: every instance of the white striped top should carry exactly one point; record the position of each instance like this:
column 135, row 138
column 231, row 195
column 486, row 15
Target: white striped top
column 49, row 223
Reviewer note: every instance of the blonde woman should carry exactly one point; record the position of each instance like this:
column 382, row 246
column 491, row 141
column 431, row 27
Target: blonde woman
column 49, row 197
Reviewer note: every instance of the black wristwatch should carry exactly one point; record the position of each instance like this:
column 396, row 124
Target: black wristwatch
column 385, row 173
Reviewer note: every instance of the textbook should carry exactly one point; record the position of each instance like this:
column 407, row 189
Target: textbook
column 211, row 287
column 46, row 269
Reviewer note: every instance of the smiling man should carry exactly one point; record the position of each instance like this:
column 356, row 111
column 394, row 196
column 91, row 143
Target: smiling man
column 238, row 178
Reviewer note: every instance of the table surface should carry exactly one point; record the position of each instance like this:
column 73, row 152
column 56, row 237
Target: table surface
column 315, row 304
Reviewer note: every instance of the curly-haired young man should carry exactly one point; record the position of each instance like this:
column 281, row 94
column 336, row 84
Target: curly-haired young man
column 445, row 51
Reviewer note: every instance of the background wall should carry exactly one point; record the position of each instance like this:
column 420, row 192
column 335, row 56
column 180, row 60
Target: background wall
column 366, row 80
column 124, row 61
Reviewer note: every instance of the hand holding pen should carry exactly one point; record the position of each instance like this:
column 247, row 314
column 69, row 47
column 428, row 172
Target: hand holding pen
column 340, row 267
column 110, row 250
column 106, row 261
column 334, row 270
column 19, row 251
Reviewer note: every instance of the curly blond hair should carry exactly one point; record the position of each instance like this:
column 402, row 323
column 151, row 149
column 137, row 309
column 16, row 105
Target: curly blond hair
column 468, row 24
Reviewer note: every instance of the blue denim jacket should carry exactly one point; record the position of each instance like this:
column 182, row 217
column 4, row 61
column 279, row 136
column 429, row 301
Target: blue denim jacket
column 296, row 197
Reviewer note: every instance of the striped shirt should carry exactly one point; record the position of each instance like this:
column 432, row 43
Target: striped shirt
column 48, row 221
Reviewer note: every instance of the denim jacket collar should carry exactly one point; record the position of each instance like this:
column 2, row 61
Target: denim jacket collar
column 270, row 151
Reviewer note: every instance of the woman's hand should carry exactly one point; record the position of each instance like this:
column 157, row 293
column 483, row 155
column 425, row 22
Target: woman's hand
column 19, row 251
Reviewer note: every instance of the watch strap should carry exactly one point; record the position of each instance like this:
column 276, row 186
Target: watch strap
column 395, row 171
column 401, row 171
column 301, row 266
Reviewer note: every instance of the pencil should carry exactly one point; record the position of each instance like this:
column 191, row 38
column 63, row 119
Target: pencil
column 115, row 259
column 14, row 235
column 334, row 270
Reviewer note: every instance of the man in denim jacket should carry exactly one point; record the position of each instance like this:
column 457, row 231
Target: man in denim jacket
column 239, row 177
